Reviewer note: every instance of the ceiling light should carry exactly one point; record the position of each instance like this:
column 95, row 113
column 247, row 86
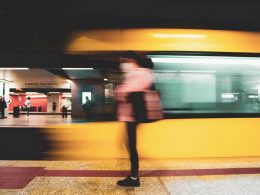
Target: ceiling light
column 227, row 95
column 5, row 81
column 14, row 68
column 191, row 36
column 105, row 79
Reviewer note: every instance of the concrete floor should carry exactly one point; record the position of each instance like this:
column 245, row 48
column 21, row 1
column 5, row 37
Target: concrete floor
column 91, row 177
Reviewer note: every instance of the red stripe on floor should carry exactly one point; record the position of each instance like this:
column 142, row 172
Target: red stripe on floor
column 84, row 173
column 149, row 173
column 19, row 177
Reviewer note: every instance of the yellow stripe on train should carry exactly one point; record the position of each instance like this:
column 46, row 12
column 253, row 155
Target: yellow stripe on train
column 163, row 40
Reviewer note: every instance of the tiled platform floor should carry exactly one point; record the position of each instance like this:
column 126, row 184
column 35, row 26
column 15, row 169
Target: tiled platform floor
column 216, row 176
column 38, row 120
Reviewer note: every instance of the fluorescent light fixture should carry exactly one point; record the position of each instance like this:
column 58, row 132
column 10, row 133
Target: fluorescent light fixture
column 5, row 81
column 77, row 68
column 189, row 36
column 227, row 95
column 31, row 93
column 105, row 79
column 253, row 96
column 207, row 60
column 14, row 68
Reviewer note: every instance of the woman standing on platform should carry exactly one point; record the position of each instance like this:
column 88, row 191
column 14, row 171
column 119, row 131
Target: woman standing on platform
column 2, row 108
column 28, row 105
column 138, row 78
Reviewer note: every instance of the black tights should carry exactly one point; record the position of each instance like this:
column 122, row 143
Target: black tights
column 64, row 112
column 131, row 131
column 2, row 112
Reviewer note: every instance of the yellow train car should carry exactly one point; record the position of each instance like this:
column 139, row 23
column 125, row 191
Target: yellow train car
column 210, row 86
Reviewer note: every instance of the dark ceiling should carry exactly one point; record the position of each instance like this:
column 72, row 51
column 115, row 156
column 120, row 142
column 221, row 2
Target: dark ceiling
column 41, row 27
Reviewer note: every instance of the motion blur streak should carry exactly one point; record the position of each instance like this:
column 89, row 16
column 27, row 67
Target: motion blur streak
column 174, row 138
column 168, row 40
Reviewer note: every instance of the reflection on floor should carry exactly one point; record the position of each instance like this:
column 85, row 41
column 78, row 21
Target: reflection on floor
column 161, row 176
column 38, row 120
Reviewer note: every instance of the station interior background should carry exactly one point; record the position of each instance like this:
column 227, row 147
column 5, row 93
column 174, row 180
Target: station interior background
column 47, row 87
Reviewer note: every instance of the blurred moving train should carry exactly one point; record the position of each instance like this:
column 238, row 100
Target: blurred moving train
column 210, row 87
column 196, row 71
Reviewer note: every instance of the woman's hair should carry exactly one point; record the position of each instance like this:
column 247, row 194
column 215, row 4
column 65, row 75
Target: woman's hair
column 142, row 61
column 131, row 55
column 147, row 63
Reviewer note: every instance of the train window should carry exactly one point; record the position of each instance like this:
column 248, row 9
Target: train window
column 208, row 84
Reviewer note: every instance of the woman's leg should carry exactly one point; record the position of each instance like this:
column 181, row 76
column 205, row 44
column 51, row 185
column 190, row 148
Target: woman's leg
column 63, row 111
column 66, row 112
column 2, row 113
column 133, row 179
column 131, row 131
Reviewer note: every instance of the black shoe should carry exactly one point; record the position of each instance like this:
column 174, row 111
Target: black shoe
column 129, row 182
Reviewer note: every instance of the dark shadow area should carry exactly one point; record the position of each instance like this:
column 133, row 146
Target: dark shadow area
column 23, row 143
